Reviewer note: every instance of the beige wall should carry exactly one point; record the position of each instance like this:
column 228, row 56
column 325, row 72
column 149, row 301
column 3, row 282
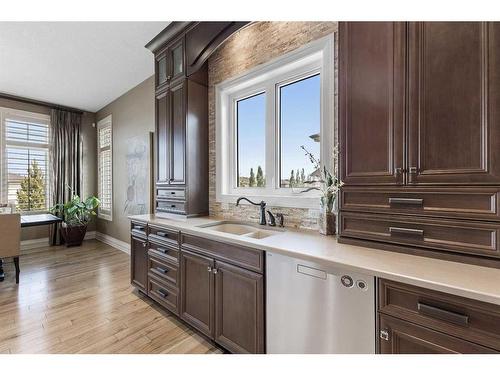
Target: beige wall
column 133, row 116
column 89, row 159
column 252, row 46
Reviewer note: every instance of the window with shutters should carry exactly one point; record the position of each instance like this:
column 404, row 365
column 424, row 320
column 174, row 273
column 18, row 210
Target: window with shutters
column 105, row 172
column 24, row 160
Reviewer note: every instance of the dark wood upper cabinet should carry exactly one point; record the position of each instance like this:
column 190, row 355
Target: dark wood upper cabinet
column 419, row 115
column 239, row 309
column 197, row 283
column 454, row 124
column 139, row 263
column 371, row 74
column 170, row 63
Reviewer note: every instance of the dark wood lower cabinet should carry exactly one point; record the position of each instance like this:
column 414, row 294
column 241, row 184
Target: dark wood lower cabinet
column 239, row 309
column 400, row 337
column 139, row 263
column 197, row 294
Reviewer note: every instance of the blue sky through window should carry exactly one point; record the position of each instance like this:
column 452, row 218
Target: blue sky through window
column 299, row 120
column 251, row 113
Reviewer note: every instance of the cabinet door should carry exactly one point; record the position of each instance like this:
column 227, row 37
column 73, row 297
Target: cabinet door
column 371, row 88
column 161, row 70
column 139, row 263
column 197, row 290
column 162, row 139
column 239, row 309
column 400, row 337
column 176, row 60
column 177, row 96
column 454, row 96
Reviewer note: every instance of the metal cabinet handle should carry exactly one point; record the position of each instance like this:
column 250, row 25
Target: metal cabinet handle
column 163, row 250
column 413, row 170
column 162, row 270
column 442, row 314
column 162, row 293
column 214, row 271
column 412, row 232
column 209, row 269
column 162, row 234
column 144, row 244
column 412, row 201
column 384, row 334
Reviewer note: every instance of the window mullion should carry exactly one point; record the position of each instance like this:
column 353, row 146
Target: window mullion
column 271, row 174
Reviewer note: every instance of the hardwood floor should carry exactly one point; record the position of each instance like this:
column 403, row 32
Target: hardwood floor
column 79, row 300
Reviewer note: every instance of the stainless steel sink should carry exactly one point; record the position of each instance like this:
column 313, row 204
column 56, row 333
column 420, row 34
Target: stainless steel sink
column 242, row 229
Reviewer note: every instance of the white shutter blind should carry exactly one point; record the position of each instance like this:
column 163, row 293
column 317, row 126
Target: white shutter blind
column 25, row 164
column 105, row 156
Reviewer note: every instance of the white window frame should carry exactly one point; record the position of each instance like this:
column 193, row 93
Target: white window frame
column 313, row 58
column 28, row 116
column 105, row 122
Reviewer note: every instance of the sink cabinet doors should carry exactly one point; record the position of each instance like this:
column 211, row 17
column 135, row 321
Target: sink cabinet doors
column 222, row 300
column 239, row 309
column 197, row 291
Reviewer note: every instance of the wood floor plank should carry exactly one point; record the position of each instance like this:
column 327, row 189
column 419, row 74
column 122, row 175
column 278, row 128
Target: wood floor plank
column 79, row 300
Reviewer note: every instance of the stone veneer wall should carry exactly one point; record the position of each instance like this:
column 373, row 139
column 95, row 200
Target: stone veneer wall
column 256, row 44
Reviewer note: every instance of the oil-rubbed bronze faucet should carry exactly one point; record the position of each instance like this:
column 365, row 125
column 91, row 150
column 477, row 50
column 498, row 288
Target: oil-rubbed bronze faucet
column 262, row 204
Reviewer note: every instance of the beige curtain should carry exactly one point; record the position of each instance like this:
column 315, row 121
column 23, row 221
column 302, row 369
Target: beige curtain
column 66, row 160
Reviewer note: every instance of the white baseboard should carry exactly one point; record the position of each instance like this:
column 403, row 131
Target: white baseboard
column 114, row 242
column 37, row 243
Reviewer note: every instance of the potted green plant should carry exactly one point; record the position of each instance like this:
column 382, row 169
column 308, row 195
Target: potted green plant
column 329, row 186
column 76, row 215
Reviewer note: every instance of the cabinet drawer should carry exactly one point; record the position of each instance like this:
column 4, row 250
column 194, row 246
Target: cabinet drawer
column 401, row 337
column 163, row 294
column 163, row 270
column 138, row 229
column 162, row 235
column 171, row 193
column 172, row 206
column 164, row 251
column 240, row 256
column 458, row 236
column 473, row 203
column 471, row 320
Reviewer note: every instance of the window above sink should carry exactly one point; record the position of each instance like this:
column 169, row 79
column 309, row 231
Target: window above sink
column 264, row 117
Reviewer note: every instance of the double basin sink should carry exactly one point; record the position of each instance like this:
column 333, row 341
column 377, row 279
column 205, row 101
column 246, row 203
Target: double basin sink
column 242, row 229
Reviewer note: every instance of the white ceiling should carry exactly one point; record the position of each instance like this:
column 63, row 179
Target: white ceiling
column 85, row 65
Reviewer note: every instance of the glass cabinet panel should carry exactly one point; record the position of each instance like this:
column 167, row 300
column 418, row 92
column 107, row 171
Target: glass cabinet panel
column 177, row 60
column 162, row 70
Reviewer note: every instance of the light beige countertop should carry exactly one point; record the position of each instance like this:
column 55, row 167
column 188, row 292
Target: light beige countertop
column 476, row 282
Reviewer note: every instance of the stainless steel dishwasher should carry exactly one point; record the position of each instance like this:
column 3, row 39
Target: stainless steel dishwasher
column 316, row 309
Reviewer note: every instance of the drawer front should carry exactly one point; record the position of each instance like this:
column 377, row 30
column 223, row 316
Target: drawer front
column 471, row 320
column 165, row 271
column 402, row 337
column 240, row 256
column 163, row 294
column 467, row 237
column 162, row 235
column 172, row 206
column 474, row 203
column 171, row 193
column 168, row 252
column 138, row 229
